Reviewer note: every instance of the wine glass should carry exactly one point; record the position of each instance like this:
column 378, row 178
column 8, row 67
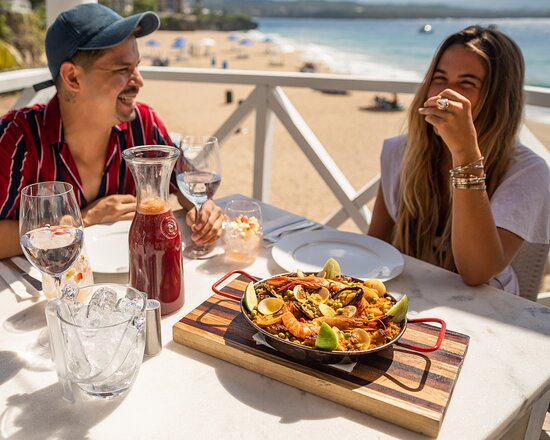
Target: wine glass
column 50, row 228
column 198, row 173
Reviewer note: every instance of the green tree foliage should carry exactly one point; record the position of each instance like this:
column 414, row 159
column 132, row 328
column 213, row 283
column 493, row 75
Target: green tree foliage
column 26, row 32
column 144, row 5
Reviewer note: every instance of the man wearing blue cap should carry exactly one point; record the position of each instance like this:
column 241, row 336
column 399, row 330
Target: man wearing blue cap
column 78, row 137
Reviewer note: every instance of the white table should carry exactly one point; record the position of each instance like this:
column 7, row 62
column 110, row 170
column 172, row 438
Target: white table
column 181, row 393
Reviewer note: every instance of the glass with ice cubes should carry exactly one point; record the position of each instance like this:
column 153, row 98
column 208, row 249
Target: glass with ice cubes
column 97, row 339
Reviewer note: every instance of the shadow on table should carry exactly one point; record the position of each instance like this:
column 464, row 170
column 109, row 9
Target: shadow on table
column 288, row 403
column 29, row 319
column 54, row 416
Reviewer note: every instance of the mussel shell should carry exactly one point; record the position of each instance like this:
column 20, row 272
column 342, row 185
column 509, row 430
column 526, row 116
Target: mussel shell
column 269, row 290
column 305, row 353
column 349, row 296
column 301, row 307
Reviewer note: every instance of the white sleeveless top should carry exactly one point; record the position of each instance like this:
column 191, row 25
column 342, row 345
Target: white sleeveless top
column 520, row 204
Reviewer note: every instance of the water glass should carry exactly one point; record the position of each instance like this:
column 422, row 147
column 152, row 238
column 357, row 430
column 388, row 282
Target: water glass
column 242, row 230
column 79, row 274
column 97, row 339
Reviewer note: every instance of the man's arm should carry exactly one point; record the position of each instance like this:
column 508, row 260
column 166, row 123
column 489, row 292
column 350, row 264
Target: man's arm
column 9, row 238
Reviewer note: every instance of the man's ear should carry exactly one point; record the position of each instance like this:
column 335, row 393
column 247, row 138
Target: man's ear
column 70, row 74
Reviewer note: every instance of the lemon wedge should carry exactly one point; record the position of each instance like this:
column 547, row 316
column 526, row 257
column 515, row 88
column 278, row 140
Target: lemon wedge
column 326, row 339
column 331, row 269
column 399, row 309
column 250, row 299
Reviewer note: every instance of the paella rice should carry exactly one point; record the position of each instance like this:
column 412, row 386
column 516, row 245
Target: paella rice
column 293, row 307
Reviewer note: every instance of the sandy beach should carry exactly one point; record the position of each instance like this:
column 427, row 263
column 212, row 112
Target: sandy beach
column 352, row 135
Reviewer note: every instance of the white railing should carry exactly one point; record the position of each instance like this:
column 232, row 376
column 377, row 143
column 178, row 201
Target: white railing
column 269, row 100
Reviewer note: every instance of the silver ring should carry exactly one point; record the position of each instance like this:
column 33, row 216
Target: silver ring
column 442, row 103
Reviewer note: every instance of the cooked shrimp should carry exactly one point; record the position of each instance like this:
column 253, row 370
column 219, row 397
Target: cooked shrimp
column 298, row 329
column 284, row 282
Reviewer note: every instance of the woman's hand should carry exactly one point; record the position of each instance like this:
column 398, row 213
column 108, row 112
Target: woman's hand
column 454, row 124
column 109, row 209
column 207, row 228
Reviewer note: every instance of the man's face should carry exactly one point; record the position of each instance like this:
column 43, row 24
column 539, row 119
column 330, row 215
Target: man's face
column 112, row 83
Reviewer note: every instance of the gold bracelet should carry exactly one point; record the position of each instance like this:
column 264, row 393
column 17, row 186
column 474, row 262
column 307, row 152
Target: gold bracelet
column 461, row 169
column 467, row 180
column 480, row 187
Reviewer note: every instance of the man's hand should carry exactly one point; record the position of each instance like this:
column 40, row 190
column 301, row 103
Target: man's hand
column 110, row 209
column 207, row 229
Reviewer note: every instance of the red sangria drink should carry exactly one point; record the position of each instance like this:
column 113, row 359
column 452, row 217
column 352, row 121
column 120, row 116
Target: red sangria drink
column 156, row 258
column 156, row 266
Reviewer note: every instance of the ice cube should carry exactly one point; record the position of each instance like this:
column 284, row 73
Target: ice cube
column 69, row 293
column 105, row 298
column 93, row 317
column 129, row 306
column 139, row 322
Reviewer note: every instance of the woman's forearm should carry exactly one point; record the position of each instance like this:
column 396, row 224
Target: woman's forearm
column 480, row 249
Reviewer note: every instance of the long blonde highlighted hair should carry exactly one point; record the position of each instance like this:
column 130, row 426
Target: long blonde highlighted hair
column 497, row 121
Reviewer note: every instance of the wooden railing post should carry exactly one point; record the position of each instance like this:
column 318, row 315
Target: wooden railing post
column 263, row 146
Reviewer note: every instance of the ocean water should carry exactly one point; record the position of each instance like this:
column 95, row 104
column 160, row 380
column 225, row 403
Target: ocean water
column 395, row 49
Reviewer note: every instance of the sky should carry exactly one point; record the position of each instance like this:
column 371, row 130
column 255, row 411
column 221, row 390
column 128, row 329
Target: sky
column 488, row 4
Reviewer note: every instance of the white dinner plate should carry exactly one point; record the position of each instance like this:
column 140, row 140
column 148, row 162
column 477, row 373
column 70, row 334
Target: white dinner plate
column 359, row 256
column 107, row 246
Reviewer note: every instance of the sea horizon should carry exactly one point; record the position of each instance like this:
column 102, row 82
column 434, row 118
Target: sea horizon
column 395, row 49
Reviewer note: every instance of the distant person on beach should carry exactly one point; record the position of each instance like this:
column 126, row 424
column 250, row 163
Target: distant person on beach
column 79, row 136
column 459, row 190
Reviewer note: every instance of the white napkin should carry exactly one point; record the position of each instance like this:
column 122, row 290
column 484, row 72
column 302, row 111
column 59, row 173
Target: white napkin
column 348, row 367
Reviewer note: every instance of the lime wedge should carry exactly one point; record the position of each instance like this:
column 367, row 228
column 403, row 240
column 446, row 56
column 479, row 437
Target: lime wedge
column 331, row 269
column 250, row 299
column 326, row 339
column 399, row 309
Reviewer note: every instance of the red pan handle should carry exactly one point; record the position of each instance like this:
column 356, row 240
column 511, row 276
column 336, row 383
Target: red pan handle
column 225, row 277
column 439, row 337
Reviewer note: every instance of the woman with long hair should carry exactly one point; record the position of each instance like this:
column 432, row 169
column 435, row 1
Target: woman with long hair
column 459, row 190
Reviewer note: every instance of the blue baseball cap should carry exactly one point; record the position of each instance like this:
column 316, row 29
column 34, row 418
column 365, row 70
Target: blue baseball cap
column 92, row 26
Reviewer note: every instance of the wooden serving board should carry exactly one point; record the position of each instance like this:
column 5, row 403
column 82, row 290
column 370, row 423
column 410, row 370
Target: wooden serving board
column 401, row 386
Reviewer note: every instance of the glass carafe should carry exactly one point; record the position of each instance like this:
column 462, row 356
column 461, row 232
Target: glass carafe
column 156, row 264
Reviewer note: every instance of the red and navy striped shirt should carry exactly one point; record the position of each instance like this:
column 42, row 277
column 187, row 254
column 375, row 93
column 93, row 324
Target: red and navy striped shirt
column 32, row 149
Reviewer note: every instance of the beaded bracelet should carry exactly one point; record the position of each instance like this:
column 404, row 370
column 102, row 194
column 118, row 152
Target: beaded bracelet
column 472, row 182
column 467, row 180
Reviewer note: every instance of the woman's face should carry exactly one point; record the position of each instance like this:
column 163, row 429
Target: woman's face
column 461, row 70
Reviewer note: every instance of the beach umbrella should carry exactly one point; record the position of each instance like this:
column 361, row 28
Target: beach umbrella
column 246, row 42
column 232, row 37
column 268, row 40
column 178, row 44
column 209, row 42
column 152, row 43
column 284, row 48
column 281, row 50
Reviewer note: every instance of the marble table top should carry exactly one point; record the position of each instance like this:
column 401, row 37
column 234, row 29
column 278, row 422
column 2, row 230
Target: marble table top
column 184, row 393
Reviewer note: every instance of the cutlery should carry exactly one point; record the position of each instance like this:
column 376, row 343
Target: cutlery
column 307, row 225
column 20, row 282
column 272, row 226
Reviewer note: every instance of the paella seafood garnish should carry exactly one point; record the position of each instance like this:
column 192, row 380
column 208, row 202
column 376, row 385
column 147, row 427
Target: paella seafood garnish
column 295, row 307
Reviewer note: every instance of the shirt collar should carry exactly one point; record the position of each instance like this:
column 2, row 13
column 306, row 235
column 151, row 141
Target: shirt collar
column 53, row 130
